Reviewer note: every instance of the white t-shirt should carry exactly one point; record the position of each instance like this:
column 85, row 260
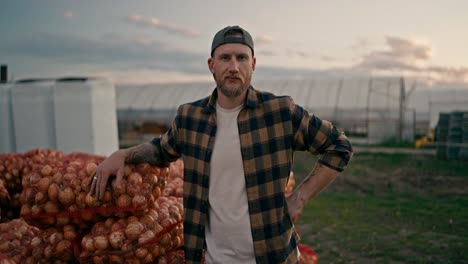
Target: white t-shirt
column 228, row 234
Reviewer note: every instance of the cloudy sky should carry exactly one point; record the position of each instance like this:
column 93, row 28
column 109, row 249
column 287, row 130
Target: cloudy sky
column 147, row 41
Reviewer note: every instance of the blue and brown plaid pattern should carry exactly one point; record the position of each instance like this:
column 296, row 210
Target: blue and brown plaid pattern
column 271, row 128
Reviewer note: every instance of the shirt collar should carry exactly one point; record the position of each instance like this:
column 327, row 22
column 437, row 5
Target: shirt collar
column 251, row 100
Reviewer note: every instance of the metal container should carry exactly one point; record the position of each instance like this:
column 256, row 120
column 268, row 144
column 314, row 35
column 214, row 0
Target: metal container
column 33, row 114
column 85, row 115
column 7, row 130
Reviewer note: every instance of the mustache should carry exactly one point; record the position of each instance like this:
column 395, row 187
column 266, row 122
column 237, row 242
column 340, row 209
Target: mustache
column 232, row 76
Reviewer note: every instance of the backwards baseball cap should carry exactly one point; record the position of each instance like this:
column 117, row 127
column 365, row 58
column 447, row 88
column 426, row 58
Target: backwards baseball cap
column 225, row 36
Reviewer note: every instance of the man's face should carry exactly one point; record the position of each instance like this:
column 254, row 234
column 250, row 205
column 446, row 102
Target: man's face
column 232, row 66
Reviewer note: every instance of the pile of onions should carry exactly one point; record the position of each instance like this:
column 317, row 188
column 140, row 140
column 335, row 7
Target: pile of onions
column 175, row 180
column 308, row 255
column 52, row 245
column 57, row 193
column 140, row 239
column 174, row 257
column 4, row 195
column 15, row 241
column 11, row 167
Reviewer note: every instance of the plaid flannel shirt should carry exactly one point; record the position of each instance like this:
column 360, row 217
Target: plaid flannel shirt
column 271, row 128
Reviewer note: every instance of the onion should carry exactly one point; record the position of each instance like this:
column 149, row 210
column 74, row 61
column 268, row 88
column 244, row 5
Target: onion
column 55, row 238
column 101, row 243
column 36, row 209
column 53, row 191
column 107, row 197
column 117, row 239
column 100, row 259
column 133, row 190
column 132, row 219
column 119, row 189
column 80, row 200
column 146, row 236
column 67, row 196
column 165, row 240
column 40, row 198
column 141, row 252
column 100, row 229
column 36, row 241
column 155, row 250
column 43, row 184
column 46, row 170
column 69, row 232
column 25, row 210
column 90, row 168
column 64, row 247
column 87, row 243
column 58, row 178
column 62, row 220
column 48, row 251
column 138, row 201
column 156, row 192
column 148, row 221
column 135, row 179
column 117, row 226
column 153, row 179
column 116, row 259
column 148, row 259
column 91, row 201
column 124, row 201
column 51, row 207
column 109, row 222
column 134, row 230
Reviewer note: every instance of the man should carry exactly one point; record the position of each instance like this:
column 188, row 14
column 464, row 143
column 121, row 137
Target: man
column 237, row 146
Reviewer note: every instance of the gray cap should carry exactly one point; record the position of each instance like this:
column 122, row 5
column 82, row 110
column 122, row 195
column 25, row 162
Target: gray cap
column 220, row 38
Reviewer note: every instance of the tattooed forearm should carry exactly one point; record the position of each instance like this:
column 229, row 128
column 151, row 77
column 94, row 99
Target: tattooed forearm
column 320, row 177
column 143, row 153
column 317, row 167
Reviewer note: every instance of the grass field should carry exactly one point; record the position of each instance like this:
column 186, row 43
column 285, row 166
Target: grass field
column 389, row 208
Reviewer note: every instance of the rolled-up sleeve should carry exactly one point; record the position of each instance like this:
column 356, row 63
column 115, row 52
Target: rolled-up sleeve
column 320, row 137
column 167, row 145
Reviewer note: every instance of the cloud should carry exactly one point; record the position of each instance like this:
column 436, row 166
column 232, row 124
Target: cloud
column 408, row 57
column 156, row 23
column 328, row 59
column 263, row 40
column 147, row 76
column 268, row 53
column 107, row 52
column 408, row 49
column 69, row 15
column 401, row 52
column 292, row 54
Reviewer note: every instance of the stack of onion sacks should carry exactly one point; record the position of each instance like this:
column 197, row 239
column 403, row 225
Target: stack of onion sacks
column 15, row 241
column 308, row 255
column 137, row 239
column 175, row 179
column 11, row 167
column 53, row 245
column 58, row 194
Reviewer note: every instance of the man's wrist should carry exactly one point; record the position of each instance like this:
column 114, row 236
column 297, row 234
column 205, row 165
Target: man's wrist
column 300, row 198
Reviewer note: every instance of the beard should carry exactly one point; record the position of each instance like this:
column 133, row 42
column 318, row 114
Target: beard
column 231, row 92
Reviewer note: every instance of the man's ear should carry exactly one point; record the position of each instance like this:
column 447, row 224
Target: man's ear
column 210, row 65
column 254, row 62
